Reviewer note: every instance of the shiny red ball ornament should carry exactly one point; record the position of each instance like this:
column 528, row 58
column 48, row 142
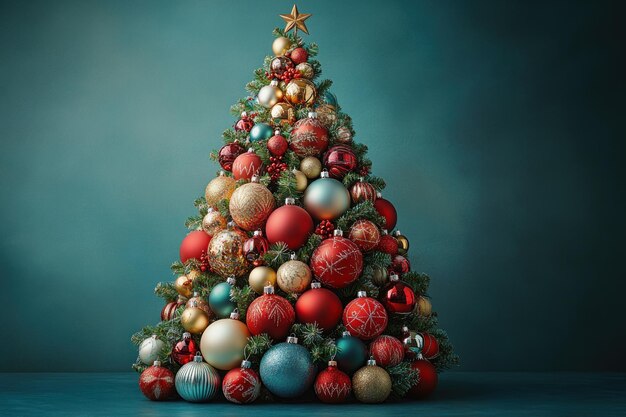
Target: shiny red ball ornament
column 430, row 347
column 247, row 165
column 339, row 160
column 277, row 144
column 241, row 385
column 337, row 262
column 245, row 123
column 193, row 245
column 427, row 379
column 309, row 137
column 397, row 296
column 157, row 383
column 184, row 350
column 319, row 305
column 364, row 317
column 362, row 191
column 388, row 244
column 271, row 314
column 388, row 211
column 228, row 154
column 400, row 265
column 255, row 247
column 365, row 234
column 299, row 55
column 289, row 224
column 332, row 386
column 387, row 350
column 169, row 310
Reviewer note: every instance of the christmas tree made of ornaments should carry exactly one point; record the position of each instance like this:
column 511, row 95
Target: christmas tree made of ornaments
column 293, row 281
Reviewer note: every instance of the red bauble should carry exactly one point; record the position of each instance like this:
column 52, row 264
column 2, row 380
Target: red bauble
column 427, row 379
column 332, row 385
column 309, row 137
column 430, row 348
column 400, row 265
column 247, row 165
column 299, row 55
column 388, row 211
column 319, row 305
column 397, row 297
column 184, row 350
column 339, row 160
column 271, row 314
column 241, row 385
column 255, row 247
column 169, row 310
column 337, row 262
column 387, row 350
column 364, row 317
column 157, row 383
column 277, row 144
column 362, row 191
column 228, row 154
column 193, row 245
column 245, row 123
column 365, row 234
column 290, row 224
column 388, row 244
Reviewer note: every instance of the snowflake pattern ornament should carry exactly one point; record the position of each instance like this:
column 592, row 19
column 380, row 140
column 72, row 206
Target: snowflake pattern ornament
column 332, row 386
column 337, row 262
column 241, row 385
column 364, row 317
column 387, row 350
column 271, row 314
column 365, row 234
column 157, row 382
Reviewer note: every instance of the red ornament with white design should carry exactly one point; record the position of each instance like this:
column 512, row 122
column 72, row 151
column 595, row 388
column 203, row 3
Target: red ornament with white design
column 430, row 346
column 387, row 350
column 332, row 386
column 364, row 317
column 245, row 123
column 309, row 137
column 337, row 262
column 362, row 191
column 157, row 383
column 241, row 385
column 271, row 314
column 365, row 234
column 169, row 310
column 247, row 165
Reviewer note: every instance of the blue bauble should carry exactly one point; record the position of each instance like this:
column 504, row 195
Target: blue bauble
column 197, row 381
column 351, row 353
column 261, row 131
column 287, row 370
column 326, row 198
column 330, row 99
column 219, row 300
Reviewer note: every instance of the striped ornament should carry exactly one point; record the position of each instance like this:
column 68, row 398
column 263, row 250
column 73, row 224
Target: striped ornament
column 169, row 310
column 197, row 381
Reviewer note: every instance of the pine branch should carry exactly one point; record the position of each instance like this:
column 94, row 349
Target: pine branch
column 403, row 377
column 278, row 254
column 166, row 291
column 256, row 347
column 305, row 252
column 363, row 210
column 222, row 207
column 194, row 222
column 178, row 268
column 230, row 135
column 323, row 86
column 242, row 297
column 205, row 282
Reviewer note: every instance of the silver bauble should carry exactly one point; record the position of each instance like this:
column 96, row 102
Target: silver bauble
column 326, row 198
column 197, row 381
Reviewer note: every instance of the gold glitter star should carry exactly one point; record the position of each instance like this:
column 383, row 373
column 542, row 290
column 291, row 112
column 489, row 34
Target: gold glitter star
column 295, row 20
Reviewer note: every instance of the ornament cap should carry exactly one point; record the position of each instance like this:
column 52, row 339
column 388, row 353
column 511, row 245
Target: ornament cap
column 230, row 225
column 193, row 304
column 394, row 277
column 196, row 294
column 312, row 115
column 290, row 201
column 231, row 281
column 292, row 339
column 258, row 232
column 324, row 174
column 379, row 195
column 235, row 314
column 398, row 233
column 315, row 285
column 338, row 232
column 222, row 173
column 293, row 256
column 371, row 361
column 332, row 363
column 244, row 114
column 198, row 357
column 154, row 336
column 210, row 210
column 246, row 364
column 186, row 335
column 156, row 363
column 361, row 294
column 268, row 289
column 255, row 178
column 277, row 132
column 346, row 333
column 274, row 83
column 250, row 150
column 385, row 232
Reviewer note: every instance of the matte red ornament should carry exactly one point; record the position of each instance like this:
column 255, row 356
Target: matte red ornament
column 339, row 160
column 277, row 144
column 332, row 386
column 241, row 385
column 184, row 350
column 247, row 165
column 309, row 137
column 193, row 245
column 271, row 314
column 364, row 317
column 430, row 348
column 397, row 296
column 362, row 191
column 388, row 244
column 299, row 55
column 400, row 265
column 365, row 234
column 255, row 247
column 245, row 123
column 319, row 305
column 157, row 383
column 387, row 350
column 290, row 224
column 388, row 211
column 228, row 154
column 169, row 310
column 427, row 379
column 337, row 262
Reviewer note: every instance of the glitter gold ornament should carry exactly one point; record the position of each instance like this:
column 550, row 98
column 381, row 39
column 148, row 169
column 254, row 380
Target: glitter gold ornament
column 223, row 342
column 201, row 303
column 371, row 384
column 293, row 276
column 251, row 204
column 281, row 45
column 219, row 188
column 301, row 180
column 423, row 307
column 306, row 70
column 326, row 114
column 193, row 274
column 403, row 243
column 283, row 113
column 269, row 95
column 301, row 91
column 226, row 254
column 213, row 222
column 311, row 167
column 194, row 319
column 260, row 277
column 184, row 286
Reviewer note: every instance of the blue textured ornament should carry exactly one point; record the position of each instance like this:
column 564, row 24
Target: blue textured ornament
column 261, row 131
column 330, row 99
column 219, row 298
column 326, row 198
column 351, row 353
column 197, row 381
column 287, row 369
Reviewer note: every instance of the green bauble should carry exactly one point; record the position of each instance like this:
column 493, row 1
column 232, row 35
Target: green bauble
column 351, row 353
column 219, row 298
column 261, row 131
column 326, row 198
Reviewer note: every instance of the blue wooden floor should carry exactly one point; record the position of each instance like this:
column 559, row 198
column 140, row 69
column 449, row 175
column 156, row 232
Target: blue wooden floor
column 459, row 394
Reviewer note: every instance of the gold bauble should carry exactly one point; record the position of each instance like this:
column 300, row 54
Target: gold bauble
column 283, row 113
column 305, row 69
column 198, row 301
column 193, row 274
column 311, row 167
column 219, row 188
column 403, row 243
column 260, row 277
column 269, row 95
column 223, row 342
column 281, row 45
column 225, row 253
column 213, row 222
column 371, row 384
column 379, row 276
column 423, row 307
column 250, row 205
column 301, row 180
column 194, row 320
column 326, row 114
column 293, row 276
column 184, row 286
column 301, row 91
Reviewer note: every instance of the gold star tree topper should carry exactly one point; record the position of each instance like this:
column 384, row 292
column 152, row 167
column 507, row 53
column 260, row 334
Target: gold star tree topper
column 295, row 20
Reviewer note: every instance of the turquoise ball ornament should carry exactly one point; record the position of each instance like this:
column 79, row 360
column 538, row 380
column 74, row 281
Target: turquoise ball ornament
column 261, row 131
column 197, row 381
column 330, row 99
column 219, row 298
column 351, row 353
column 326, row 198
column 287, row 369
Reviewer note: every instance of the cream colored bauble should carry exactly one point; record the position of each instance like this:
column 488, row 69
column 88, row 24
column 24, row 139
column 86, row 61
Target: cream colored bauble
column 293, row 276
column 223, row 342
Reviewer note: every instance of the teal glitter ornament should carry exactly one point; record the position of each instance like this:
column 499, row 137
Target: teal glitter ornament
column 287, row 369
column 330, row 99
column 219, row 298
column 197, row 381
column 351, row 353
column 326, row 198
column 261, row 131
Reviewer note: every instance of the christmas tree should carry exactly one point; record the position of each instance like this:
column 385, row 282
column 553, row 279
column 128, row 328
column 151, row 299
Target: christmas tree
column 293, row 278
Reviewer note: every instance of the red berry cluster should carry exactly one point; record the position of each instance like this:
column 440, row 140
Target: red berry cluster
column 204, row 262
column 325, row 229
column 289, row 74
column 276, row 167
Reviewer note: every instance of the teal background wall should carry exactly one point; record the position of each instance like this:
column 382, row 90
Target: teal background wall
column 498, row 126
